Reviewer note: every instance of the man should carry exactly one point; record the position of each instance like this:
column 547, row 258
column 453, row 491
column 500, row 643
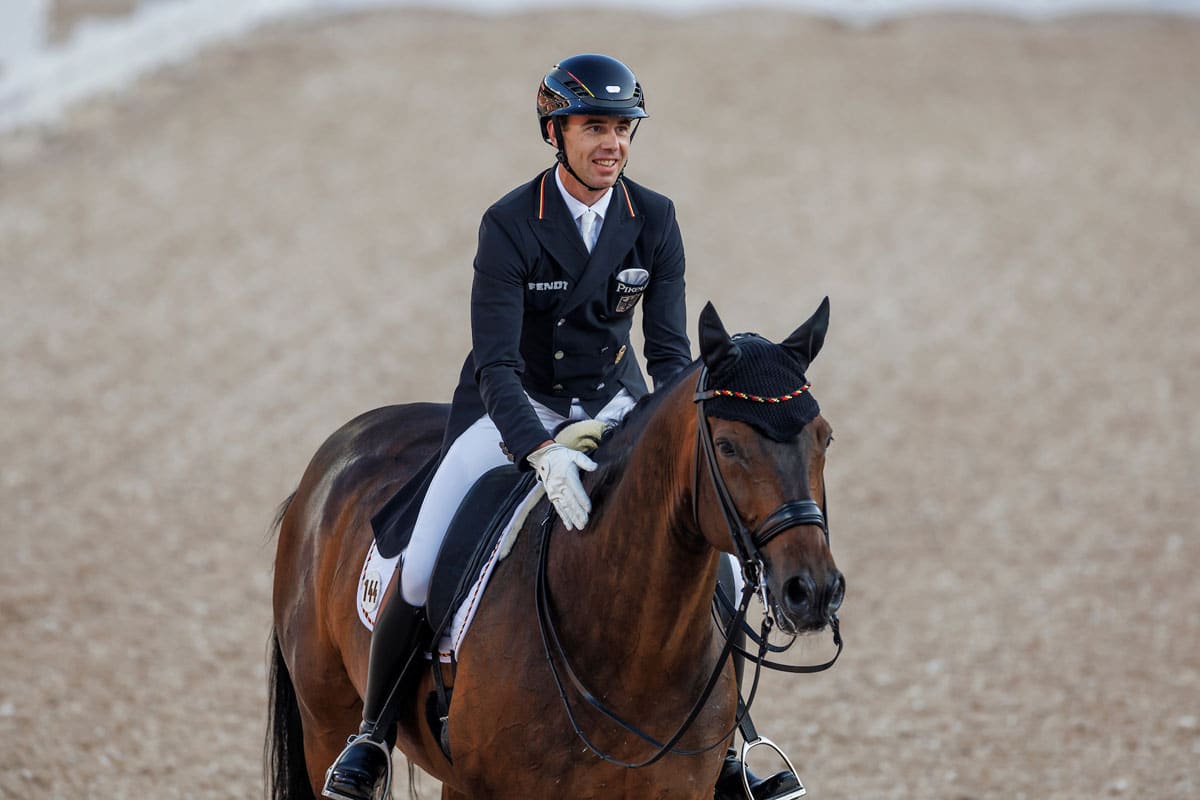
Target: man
column 562, row 263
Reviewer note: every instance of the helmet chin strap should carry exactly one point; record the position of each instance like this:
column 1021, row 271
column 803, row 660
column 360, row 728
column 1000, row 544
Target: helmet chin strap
column 562, row 157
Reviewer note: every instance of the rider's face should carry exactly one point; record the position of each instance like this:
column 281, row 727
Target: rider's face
column 597, row 149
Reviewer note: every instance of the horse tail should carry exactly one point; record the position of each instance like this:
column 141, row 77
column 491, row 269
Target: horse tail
column 283, row 752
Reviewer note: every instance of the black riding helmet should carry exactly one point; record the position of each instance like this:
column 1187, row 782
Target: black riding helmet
column 589, row 84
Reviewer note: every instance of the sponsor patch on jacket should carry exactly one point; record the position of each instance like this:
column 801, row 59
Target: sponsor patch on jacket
column 630, row 285
column 547, row 286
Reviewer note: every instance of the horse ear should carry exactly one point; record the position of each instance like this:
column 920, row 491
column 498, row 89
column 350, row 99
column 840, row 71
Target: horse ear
column 715, row 344
column 805, row 342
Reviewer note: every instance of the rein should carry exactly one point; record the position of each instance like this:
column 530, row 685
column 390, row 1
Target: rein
column 748, row 545
column 550, row 636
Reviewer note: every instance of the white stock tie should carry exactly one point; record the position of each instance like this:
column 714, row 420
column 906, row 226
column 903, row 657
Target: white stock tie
column 587, row 228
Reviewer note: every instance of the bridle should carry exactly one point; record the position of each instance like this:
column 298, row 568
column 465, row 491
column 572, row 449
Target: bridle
column 748, row 545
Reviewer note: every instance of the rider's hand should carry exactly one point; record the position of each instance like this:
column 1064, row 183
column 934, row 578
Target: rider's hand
column 558, row 466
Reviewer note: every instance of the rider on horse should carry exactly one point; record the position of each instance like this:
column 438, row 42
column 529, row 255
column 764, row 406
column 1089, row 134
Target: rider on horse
column 561, row 263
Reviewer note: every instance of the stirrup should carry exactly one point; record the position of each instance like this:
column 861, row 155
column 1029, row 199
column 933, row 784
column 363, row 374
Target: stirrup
column 333, row 794
column 763, row 741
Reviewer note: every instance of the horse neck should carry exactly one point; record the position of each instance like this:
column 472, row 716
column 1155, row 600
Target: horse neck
column 640, row 582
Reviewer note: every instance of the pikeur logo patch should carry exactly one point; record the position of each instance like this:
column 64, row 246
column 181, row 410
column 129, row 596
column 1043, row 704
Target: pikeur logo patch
column 547, row 286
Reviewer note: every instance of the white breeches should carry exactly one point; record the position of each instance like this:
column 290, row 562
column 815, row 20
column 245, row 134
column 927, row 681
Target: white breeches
column 473, row 453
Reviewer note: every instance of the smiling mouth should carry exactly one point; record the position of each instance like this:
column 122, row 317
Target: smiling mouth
column 607, row 163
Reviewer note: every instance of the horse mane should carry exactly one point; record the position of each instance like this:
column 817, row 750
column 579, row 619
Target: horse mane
column 277, row 520
column 617, row 444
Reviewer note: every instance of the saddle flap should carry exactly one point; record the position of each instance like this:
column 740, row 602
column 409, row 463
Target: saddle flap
column 480, row 520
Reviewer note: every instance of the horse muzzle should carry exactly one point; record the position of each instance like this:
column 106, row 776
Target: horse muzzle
column 805, row 605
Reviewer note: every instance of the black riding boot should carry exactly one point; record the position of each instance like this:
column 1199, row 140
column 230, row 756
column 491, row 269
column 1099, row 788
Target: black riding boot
column 783, row 785
column 363, row 768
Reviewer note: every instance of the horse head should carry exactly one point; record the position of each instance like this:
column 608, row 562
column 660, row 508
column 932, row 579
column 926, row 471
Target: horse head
column 760, row 489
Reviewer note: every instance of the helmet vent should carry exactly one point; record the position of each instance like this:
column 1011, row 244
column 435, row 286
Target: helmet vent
column 576, row 88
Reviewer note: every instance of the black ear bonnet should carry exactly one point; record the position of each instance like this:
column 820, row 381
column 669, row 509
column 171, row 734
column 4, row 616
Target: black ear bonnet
column 761, row 384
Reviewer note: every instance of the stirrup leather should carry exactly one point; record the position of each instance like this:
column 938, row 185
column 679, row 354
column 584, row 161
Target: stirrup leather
column 763, row 741
column 333, row 794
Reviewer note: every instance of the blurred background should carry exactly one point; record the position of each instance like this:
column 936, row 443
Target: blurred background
column 227, row 228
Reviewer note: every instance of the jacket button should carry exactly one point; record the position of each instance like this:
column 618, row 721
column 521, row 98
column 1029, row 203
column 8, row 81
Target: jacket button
column 599, row 385
column 560, row 322
column 558, row 356
column 558, row 387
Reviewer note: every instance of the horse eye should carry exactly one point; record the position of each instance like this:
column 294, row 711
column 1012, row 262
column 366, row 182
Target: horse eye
column 726, row 447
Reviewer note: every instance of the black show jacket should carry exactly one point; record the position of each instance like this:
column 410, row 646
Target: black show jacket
column 549, row 319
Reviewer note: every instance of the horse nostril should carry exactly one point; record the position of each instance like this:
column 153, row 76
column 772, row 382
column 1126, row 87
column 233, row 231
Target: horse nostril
column 837, row 591
column 798, row 593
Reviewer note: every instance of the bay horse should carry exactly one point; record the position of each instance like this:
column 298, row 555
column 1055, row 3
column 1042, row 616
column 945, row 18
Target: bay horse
column 629, row 599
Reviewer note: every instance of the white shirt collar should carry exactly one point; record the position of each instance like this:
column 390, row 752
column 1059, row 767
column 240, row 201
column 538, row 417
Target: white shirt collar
column 577, row 208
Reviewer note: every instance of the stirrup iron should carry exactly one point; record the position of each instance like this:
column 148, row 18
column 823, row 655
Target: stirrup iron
column 333, row 794
column 763, row 741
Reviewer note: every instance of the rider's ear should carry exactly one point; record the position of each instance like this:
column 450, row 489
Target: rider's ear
column 715, row 344
column 805, row 342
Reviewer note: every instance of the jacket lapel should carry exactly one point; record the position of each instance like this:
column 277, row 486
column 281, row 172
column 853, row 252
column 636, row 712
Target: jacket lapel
column 554, row 228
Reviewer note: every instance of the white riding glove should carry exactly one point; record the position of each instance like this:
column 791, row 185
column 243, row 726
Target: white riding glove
column 558, row 466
